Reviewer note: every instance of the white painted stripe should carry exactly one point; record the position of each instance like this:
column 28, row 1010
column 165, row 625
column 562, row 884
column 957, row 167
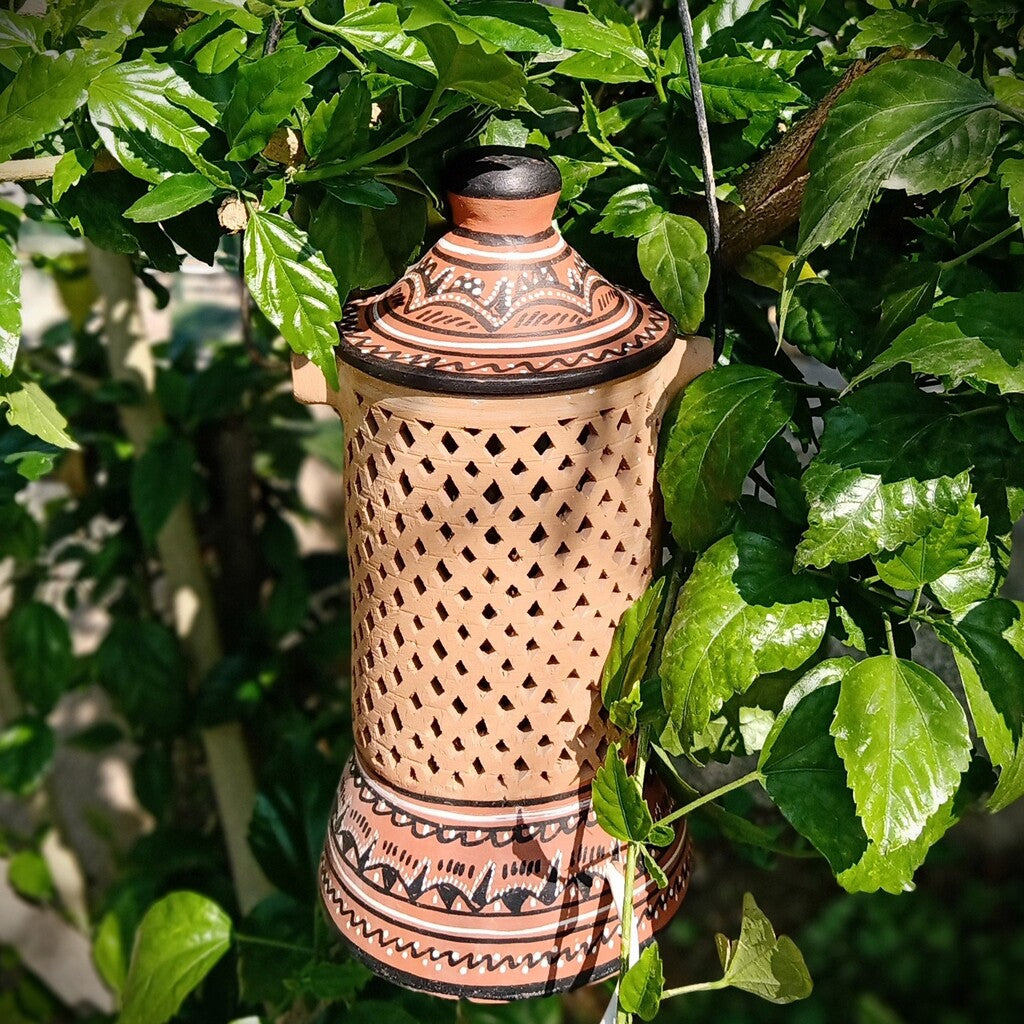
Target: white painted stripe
column 466, row 930
column 502, row 256
column 556, row 344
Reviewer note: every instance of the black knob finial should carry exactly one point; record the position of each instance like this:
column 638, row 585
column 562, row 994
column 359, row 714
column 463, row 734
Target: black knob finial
column 502, row 172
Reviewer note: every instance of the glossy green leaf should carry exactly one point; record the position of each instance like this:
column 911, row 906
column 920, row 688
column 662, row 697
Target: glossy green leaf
column 171, row 197
column 912, row 124
column 513, row 26
column 21, row 35
column 294, row 287
column 977, row 337
column 339, row 126
column 741, row 614
column 29, row 408
column 631, row 647
column 719, row 430
column 70, row 169
column 631, row 212
column 179, row 940
column 973, row 579
column 673, row 257
column 26, row 750
column 113, row 22
column 266, row 91
column 221, row 52
column 29, row 876
column 758, row 962
column 235, row 10
column 721, row 14
column 38, row 645
column 892, row 464
column 162, row 477
column 377, row 30
column 822, row 324
column 642, row 985
column 994, row 635
column 893, row 871
column 1011, row 174
column 912, row 295
column 143, row 113
column 47, row 89
column 737, row 87
column 944, row 548
column 892, row 28
column 10, row 306
column 618, row 803
column 579, row 31
column 904, row 740
column 365, row 192
column 468, row 68
column 803, row 773
column 992, row 670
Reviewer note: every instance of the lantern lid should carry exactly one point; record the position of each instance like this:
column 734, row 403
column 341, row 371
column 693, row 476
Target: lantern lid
column 501, row 304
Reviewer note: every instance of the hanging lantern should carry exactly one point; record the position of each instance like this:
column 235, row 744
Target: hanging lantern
column 501, row 406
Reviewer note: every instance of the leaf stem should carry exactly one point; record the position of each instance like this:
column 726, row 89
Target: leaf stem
column 333, row 31
column 715, row 794
column 971, row 253
column 1005, row 108
column 888, row 635
column 259, row 940
column 703, row 986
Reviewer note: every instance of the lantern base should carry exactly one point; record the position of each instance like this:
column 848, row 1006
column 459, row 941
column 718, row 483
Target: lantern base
column 495, row 901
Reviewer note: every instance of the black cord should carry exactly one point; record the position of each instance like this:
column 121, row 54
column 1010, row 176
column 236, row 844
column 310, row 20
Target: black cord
column 714, row 225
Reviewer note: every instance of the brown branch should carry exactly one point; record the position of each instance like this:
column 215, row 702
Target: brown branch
column 772, row 191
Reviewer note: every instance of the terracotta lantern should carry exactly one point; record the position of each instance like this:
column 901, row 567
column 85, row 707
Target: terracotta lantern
column 501, row 405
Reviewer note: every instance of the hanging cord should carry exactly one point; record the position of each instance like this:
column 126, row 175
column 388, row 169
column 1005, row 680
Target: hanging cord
column 714, row 226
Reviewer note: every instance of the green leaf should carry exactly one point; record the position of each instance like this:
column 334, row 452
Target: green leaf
column 233, row 9
column 113, row 21
column 631, row 647
column 631, row 212
column 47, row 89
column 977, row 337
column 339, row 126
column 992, row 670
column 171, row 197
column 722, row 425
column 366, row 192
column 904, row 740
column 140, row 664
column 26, row 750
column 653, row 868
column 143, row 113
column 822, row 324
column 29, row 876
column 221, row 52
column 20, row 36
column 642, row 985
column 974, row 579
column 579, row 31
column 377, row 31
column 913, row 294
column 735, row 88
column 70, row 169
column 161, row 478
column 614, row 69
column 892, row 28
column 512, row 26
column 892, row 464
column 741, row 614
column 758, row 962
column 332, row 982
column 673, row 257
column 266, row 91
column 912, row 124
column 294, row 288
column 35, row 413
column 942, row 549
column 618, row 802
column 893, row 872
column 721, row 14
column 489, row 77
column 10, row 306
column 179, row 940
column 803, row 773
column 366, row 248
column 38, row 644
column 994, row 635
column 1011, row 174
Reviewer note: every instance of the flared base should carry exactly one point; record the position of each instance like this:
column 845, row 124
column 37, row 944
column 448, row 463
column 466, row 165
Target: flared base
column 494, row 901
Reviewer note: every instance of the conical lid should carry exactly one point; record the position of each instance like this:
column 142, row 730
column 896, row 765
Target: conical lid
column 501, row 305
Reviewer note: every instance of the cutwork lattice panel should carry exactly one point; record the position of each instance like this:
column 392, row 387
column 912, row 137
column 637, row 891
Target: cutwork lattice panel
column 489, row 566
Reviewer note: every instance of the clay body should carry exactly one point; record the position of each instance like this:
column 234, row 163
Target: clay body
column 501, row 406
